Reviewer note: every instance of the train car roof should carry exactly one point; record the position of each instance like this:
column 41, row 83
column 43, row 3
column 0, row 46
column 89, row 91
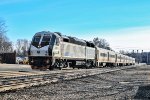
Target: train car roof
column 102, row 49
column 81, row 40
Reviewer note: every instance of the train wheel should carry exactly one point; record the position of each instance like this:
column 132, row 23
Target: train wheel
column 87, row 64
column 34, row 67
column 51, row 68
column 60, row 68
column 44, row 68
column 61, row 64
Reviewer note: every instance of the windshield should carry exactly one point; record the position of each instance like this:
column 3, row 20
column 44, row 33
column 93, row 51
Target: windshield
column 36, row 41
column 45, row 40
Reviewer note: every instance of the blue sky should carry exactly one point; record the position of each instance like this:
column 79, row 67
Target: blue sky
column 80, row 18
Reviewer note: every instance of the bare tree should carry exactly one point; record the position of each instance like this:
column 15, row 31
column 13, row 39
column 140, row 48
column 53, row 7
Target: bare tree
column 22, row 47
column 2, row 32
column 5, row 44
column 124, row 52
column 102, row 43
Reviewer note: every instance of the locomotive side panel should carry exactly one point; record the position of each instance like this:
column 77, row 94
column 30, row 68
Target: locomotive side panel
column 73, row 51
column 90, row 53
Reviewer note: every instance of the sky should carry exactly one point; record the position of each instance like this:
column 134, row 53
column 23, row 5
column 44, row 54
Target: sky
column 125, row 24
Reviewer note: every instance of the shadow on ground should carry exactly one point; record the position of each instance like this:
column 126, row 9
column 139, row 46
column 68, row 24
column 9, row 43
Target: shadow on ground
column 143, row 93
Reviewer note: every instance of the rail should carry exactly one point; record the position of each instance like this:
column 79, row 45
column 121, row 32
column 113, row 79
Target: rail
column 18, row 80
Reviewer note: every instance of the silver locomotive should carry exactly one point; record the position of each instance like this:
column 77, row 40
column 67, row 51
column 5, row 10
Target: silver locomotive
column 50, row 50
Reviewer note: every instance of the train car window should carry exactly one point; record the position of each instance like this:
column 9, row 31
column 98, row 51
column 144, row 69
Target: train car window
column 103, row 54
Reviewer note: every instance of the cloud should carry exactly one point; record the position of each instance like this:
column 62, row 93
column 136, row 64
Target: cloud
column 128, row 39
column 136, row 38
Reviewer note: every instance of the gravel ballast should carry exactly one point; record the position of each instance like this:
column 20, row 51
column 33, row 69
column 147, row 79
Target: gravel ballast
column 121, row 85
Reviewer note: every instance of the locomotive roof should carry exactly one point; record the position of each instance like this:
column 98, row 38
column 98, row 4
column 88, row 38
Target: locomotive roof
column 43, row 32
column 64, row 36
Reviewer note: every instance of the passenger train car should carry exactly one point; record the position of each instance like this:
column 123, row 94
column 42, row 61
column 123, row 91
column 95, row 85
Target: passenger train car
column 50, row 50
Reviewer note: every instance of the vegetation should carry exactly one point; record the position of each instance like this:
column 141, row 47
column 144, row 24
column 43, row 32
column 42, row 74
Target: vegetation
column 102, row 43
column 22, row 47
column 5, row 44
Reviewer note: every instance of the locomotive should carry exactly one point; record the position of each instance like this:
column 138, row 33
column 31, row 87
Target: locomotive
column 50, row 50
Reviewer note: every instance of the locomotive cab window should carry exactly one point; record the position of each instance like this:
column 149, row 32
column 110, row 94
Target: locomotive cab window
column 45, row 41
column 37, row 39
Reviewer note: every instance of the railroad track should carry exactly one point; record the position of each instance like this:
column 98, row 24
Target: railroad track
column 17, row 80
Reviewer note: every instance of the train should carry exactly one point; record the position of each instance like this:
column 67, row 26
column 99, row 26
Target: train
column 49, row 50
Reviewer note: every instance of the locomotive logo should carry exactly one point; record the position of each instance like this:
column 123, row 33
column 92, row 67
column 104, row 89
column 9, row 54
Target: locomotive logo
column 38, row 52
